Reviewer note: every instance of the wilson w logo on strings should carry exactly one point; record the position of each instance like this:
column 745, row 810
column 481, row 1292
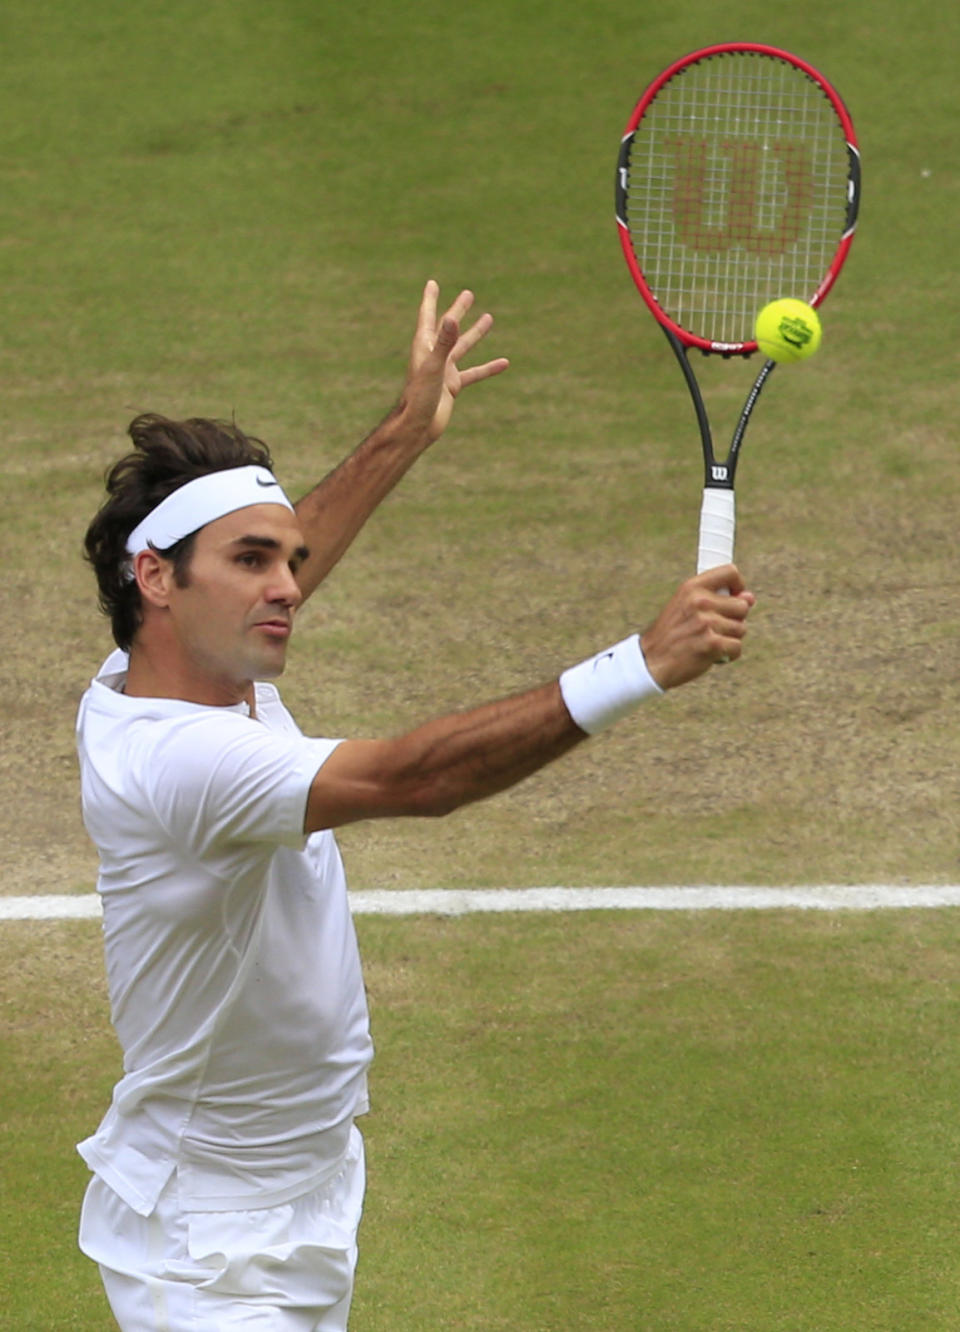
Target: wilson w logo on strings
column 740, row 193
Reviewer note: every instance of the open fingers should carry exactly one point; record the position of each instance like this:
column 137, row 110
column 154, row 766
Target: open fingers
column 426, row 331
column 428, row 302
column 430, row 329
column 469, row 337
column 485, row 371
column 460, row 306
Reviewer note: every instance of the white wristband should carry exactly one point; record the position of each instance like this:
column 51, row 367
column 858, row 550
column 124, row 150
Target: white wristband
column 604, row 688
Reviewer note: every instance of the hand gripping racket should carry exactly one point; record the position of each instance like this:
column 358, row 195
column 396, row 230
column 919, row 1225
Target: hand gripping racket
column 738, row 183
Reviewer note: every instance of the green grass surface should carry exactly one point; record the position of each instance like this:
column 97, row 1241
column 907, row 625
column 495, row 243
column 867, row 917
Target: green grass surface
column 610, row 1122
column 717, row 1122
column 725, row 1120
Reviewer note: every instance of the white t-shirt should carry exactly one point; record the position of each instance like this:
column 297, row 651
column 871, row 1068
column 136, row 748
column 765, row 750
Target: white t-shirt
column 232, row 962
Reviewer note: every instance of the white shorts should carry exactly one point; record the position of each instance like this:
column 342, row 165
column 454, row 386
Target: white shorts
column 274, row 1269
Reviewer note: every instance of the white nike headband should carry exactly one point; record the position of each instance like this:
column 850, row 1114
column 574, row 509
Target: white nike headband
column 202, row 501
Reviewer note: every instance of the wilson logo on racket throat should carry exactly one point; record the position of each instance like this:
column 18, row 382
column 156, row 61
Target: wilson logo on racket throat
column 740, row 193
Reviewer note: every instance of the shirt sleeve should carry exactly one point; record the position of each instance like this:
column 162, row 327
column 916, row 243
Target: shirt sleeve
column 213, row 780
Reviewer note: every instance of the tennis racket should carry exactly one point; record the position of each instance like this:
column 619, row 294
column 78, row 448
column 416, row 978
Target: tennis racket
column 738, row 182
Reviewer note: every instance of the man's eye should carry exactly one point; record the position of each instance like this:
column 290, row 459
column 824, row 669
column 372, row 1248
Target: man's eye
column 251, row 559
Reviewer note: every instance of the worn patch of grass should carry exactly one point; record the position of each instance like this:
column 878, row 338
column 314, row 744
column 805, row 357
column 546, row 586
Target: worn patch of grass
column 228, row 211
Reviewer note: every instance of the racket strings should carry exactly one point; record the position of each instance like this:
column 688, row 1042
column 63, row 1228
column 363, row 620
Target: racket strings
column 736, row 191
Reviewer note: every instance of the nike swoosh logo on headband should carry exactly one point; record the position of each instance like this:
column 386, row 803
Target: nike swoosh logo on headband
column 266, row 484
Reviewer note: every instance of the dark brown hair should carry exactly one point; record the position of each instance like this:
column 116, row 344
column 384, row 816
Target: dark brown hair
column 166, row 455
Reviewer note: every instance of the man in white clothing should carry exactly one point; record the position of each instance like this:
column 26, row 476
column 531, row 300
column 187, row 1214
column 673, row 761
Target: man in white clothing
column 228, row 1172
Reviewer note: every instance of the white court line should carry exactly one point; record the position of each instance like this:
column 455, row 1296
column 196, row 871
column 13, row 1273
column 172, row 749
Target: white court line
column 463, row 901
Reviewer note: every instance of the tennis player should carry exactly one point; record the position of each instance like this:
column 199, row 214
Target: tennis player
column 228, row 1174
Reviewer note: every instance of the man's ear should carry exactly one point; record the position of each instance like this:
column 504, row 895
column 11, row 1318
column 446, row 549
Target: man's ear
column 154, row 577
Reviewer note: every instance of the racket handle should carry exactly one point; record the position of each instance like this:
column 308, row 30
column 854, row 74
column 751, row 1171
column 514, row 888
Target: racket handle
column 717, row 523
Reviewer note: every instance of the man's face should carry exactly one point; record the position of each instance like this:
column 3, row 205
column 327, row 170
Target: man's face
column 233, row 614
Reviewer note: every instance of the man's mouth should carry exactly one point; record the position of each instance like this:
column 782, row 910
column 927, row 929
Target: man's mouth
column 276, row 628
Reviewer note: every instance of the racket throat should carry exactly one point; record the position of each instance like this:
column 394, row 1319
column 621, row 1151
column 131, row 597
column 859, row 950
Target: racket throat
column 696, row 397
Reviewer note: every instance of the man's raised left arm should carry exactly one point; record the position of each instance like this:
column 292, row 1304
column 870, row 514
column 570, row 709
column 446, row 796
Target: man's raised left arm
column 333, row 512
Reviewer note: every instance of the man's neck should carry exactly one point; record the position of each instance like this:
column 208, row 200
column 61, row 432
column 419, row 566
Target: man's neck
column 154, row 675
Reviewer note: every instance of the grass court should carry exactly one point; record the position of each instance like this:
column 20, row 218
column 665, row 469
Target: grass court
column 606, row 1121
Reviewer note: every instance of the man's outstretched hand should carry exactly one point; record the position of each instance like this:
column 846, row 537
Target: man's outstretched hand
column 434, row 375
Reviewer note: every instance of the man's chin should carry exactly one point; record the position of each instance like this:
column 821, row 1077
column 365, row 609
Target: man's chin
column 272, row 670
column 271, row 664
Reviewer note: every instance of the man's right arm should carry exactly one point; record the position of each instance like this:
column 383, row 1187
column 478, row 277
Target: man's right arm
column 455, row 760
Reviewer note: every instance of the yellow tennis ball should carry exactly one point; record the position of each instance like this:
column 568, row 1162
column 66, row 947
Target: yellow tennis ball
column 788, row 330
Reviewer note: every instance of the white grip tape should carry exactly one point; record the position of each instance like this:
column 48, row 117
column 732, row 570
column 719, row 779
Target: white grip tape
column 604, row 688
column 717, row 524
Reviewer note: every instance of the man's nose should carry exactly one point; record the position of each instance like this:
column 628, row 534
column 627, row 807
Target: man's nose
column 286, row 589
